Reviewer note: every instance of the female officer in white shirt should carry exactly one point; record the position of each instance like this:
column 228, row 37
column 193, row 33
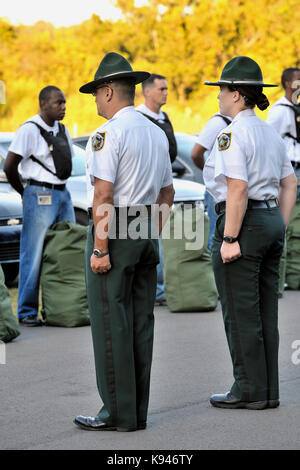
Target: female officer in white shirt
column 249, row 175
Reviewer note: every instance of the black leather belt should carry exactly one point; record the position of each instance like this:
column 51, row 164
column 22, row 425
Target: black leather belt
column 295, row 165
column 135, row 211
column 252, row 204
column 60, row 187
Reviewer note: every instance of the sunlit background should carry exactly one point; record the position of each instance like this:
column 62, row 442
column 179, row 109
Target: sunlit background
column 188, row 41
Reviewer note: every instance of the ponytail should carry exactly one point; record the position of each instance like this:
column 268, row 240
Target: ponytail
column 252, row 95
column 262, row 102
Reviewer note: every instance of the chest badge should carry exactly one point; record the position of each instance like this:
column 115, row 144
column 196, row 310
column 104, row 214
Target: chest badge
column 98, row 141
column 224, row 141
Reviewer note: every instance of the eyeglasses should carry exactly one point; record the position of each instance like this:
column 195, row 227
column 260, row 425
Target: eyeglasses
column 94, row 93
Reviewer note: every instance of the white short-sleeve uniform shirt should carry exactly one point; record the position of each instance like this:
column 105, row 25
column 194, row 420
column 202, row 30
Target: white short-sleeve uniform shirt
column 28, row 141
column 212, row 128
column 131, row 152
column 250, row 150
column 283, row 120
column 145, row 110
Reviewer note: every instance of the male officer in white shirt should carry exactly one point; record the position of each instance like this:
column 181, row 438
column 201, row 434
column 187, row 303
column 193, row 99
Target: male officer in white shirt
column 205, row 142
column 128, row 170
column 45, row 197
column 155, row 91
column 282, row 117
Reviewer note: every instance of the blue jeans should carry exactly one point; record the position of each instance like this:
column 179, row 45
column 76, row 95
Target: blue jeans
column 160, row 288
column 210, row 208
column 36, row 220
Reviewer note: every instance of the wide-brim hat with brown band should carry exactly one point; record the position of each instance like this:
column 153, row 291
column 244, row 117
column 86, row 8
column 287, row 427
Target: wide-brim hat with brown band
column 241, row 70
column 113, row 66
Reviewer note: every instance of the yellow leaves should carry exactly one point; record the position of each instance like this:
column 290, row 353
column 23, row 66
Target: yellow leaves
column 188, row 41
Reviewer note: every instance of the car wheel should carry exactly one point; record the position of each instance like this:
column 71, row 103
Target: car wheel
column 81, row 217
column 11, row 271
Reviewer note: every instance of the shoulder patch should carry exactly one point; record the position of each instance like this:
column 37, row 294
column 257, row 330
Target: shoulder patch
column 224, row 141
column 98, row 141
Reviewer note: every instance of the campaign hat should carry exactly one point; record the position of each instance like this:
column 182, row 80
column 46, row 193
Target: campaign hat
column 241, row 70
column 113, row 66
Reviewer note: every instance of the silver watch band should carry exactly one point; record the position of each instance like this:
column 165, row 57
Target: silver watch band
column 99, row 253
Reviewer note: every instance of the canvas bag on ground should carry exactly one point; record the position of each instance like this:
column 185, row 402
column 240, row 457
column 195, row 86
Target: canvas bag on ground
column 9, row 328
column 62, row 276
column 282, row 271
column 293, row 249
column 189, row 279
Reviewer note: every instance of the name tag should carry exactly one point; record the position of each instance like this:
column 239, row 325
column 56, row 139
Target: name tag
column 44, row 199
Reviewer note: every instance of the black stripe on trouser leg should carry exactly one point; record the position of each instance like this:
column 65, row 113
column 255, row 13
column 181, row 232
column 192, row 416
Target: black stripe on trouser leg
column 235, row 333
column 109, row 352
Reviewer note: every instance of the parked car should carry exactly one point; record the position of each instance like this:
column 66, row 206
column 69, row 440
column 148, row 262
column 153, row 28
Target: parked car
column 10, row 218
column 186, row 190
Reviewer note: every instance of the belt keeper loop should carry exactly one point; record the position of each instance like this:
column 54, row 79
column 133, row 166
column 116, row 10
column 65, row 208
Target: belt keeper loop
column 267, row 204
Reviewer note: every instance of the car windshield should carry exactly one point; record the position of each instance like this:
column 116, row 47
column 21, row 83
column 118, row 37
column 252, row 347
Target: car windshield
column 78, row 161
column 3, row 152
column 185, row 143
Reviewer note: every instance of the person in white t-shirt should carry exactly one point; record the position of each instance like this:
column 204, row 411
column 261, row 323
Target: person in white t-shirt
column 204, row 144
column 155, row 91
column 45, row 197
column 283, row 118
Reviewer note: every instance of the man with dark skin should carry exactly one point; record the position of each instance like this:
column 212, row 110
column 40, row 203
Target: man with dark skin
column 45, row 197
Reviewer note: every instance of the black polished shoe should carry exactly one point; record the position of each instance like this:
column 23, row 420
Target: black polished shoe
column 31, row 320
column 141, row 425
column 89, row 423
column 273, row 403
column 228, row 400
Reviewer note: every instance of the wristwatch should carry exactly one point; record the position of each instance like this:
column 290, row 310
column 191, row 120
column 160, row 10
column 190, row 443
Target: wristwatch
column 229, row 239
column 99, row 253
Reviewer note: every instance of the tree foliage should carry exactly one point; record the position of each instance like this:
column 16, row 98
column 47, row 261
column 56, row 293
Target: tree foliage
column 188, row 41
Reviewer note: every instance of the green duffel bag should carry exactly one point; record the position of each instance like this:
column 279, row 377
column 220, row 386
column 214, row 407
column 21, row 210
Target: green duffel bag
column 189, row 279
column 63, row 288
column 293, row 249
column 282, row 271
column 9, row 327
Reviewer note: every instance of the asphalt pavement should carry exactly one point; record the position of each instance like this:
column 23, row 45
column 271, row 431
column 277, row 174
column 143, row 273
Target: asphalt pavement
column 49, row 378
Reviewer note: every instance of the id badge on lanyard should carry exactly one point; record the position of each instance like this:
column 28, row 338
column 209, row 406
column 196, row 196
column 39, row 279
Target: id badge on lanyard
column 44, row 199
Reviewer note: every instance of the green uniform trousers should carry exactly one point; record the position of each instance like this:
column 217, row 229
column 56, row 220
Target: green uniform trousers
column 248, row 289
column 121, row 304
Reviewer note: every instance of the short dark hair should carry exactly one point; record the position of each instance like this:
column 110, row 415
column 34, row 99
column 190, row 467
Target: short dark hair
column 125, row 89
column 150, row 81
column 287, row 75
column 45, row 93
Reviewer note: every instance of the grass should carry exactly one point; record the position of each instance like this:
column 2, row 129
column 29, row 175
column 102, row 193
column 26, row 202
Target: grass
column 13, row 292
